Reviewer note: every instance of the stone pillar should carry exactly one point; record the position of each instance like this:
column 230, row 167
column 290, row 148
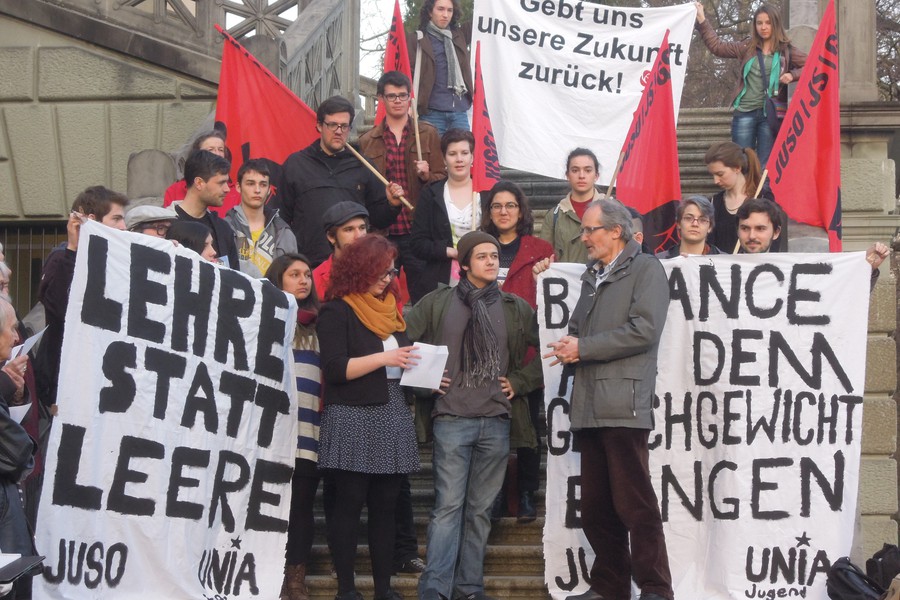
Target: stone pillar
column 856, row 29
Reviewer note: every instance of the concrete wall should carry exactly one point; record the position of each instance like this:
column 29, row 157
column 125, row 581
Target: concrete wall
column 72, row 113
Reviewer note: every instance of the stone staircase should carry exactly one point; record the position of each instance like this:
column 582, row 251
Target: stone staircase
column 514, row 564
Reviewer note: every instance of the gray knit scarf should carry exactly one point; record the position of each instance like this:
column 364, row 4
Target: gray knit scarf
column 480, row 356
column 455, row 80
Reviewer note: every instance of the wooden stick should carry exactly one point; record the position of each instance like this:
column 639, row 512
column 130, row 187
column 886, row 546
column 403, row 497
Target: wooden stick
column 381, row 178
column 762, row 182
column 612, row 182
column 415, row 116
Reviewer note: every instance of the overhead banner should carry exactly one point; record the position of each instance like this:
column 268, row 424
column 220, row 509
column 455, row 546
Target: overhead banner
column 169, row 465
column 569, row 74
column 758, row 413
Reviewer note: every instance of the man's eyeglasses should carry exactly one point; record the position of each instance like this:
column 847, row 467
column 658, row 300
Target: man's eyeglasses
column 396, row 97
column 590, row 230
column 690, row 220
column 161, row 228
column 509, row 206
column 342, row 127
column 390, row 274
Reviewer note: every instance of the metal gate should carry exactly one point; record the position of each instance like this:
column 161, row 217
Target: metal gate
column 26, row 246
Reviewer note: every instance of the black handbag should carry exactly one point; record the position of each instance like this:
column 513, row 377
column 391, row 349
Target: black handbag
column 775, row 108
column 846, row 581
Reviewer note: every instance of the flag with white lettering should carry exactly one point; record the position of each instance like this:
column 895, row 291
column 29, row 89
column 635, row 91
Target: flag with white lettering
column 755, row 453
column 651, row 145
column 169, row 465
column 805, row 164
column 486, row 165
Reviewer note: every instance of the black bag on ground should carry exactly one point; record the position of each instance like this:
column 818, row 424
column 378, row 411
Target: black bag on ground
column 884, row 565
column 846, row 581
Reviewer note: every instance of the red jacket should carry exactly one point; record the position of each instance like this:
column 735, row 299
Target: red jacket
column 520, row 279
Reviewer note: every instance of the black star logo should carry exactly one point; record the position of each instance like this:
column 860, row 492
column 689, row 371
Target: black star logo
column 803, row 540
column 236, row 543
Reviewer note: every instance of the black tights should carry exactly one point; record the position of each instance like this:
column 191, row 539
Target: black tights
column 379, row 494
column 300, row 524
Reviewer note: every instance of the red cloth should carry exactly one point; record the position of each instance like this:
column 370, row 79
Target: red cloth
column 322, row 280
column 178, row 190
column 263, row 117
column 395, row 171
column 580, row 207
column 805, row 164
column 486, row 167
column 520, row 278
column 396, row 56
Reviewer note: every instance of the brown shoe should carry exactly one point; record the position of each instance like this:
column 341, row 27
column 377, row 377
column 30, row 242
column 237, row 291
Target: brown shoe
column 294, row 585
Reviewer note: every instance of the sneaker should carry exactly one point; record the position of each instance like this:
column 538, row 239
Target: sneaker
column 414, row 566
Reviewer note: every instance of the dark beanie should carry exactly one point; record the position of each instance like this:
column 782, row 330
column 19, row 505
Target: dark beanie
column 469, row 241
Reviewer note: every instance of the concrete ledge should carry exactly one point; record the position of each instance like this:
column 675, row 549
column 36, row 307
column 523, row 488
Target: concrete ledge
column 874, row 532
column 877, row 485
column 76, row 74
column 883, row 303
column 881, row 364
column 867, row 184
column 879, row 426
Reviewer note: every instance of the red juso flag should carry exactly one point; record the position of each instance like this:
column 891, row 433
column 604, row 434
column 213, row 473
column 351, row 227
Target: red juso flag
column 263, row 117
column 805, row 164
column 486, row 167
column 396, row 58
column 649, row 179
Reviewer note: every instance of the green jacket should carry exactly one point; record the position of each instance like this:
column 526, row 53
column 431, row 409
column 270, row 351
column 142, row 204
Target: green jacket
column 562, row 228
column 425, row 323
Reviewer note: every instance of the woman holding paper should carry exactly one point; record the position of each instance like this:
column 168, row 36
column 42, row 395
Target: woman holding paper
column 754, row 95
column 446, row 211
column 367, row 437
column 291, row 273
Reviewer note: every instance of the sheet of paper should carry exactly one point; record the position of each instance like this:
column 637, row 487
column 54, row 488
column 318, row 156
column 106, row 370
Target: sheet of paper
column 18, row 412
column 427, row 374
column 26, row 347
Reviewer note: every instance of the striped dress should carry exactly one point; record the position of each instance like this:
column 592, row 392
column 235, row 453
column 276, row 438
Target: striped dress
column 309, row 385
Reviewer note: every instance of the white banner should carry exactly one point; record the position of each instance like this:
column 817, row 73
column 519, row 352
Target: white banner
column 563, row 74
column 755, row 452
column 170, row 462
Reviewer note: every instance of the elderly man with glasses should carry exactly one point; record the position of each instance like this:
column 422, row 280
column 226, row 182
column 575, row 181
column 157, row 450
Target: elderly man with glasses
column 325, row 173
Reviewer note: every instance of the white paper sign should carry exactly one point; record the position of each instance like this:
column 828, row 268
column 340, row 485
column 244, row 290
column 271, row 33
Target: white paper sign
column 169, row 465
column 756, row 451
column 429, row 369
column 27, row 345
column 563, row 74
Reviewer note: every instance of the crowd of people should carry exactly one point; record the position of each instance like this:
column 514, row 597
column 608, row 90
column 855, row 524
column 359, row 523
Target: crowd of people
column 372, row 277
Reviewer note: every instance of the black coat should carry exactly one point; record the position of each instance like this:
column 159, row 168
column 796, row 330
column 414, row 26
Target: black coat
column 312, row 181
column 342, row 336
column 429, row 239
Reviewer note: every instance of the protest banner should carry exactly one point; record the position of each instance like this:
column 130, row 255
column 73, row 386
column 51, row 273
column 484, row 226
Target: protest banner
column 486, row 164
column 262, row 117
column 568, row 73
column 169, row 465
column 805, row 164
column 755, row 453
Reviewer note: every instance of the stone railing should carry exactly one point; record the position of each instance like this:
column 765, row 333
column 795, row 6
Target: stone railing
column 322, row 50
column 177, row 34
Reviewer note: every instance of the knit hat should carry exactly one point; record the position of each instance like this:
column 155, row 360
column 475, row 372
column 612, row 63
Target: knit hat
column 148, row 213
column 340, row 213
column 469, row 241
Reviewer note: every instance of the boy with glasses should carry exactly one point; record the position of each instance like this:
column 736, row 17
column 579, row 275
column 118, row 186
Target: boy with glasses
column 325, row 173
column 694, row 219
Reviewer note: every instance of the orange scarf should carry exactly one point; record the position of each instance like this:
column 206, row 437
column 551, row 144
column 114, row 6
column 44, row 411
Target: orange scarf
column 381, row 317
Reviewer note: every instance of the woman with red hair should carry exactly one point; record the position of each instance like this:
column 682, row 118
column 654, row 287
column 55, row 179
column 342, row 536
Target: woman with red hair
column 367, row 437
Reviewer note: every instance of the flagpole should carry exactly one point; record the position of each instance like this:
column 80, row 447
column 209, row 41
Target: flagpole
column 415, row 116
column 762, row 182
column 380, row 177
column 612, row 182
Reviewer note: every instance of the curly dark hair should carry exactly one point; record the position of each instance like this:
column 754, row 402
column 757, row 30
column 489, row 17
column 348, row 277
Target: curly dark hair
column 525, row 225
column 360, row 265
column 428, row 6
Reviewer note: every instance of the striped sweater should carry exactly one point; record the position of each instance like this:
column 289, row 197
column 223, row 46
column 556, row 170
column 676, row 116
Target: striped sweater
column 309, row 404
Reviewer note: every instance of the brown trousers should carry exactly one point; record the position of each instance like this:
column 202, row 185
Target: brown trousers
column 617, row 499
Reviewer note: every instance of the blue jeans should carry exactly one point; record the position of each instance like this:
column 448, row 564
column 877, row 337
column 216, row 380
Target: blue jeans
column 470, row 456
column 751, row 130
column 443, row 120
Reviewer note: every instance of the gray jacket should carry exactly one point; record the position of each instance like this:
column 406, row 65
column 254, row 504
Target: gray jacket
column 276, row 239
column 618, row 329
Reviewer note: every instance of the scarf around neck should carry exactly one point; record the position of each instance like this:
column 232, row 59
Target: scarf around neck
column 381, row 317
column 480, row 356
column 455, row 80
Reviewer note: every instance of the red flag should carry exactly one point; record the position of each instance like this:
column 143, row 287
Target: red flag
column 649, row 179
column 805, row 164
column 263, row 117
column 486, row 167
column 396, row 58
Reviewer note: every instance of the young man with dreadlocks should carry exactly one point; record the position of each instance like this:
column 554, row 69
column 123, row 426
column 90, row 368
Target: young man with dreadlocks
column 487, row 333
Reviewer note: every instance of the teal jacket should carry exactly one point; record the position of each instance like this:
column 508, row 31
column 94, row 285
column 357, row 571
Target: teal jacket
column 425, row 323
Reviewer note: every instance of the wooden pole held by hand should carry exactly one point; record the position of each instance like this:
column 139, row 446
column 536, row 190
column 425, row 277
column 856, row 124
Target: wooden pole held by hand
column 380, row 177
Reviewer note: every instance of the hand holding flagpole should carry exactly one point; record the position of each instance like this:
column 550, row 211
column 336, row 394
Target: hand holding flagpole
column 380, row 177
